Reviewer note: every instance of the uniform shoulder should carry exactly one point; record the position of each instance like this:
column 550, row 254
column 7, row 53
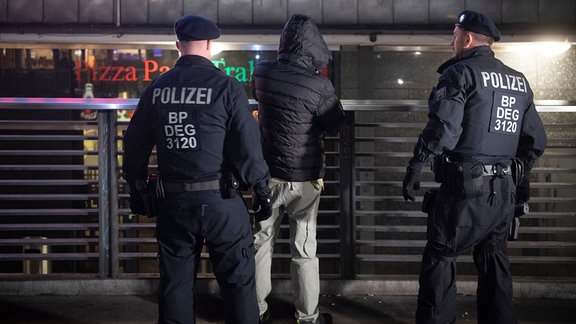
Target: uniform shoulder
column 457, row 72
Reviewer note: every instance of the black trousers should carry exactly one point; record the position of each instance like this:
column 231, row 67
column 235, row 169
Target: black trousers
column 186, row 222
column 455, row 225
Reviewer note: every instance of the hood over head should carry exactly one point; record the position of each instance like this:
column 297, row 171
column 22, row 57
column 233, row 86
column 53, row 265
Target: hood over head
column 301, row 37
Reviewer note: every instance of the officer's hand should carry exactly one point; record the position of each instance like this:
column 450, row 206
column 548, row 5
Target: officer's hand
column 262, row 206
column 523, row 191
column 411, row 183
column 136, row 203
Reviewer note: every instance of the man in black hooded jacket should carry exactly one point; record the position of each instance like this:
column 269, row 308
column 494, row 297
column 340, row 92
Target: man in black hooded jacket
column 296, row 106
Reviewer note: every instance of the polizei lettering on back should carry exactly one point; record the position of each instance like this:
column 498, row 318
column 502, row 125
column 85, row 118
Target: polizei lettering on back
column 182, row 95
column 504, row 81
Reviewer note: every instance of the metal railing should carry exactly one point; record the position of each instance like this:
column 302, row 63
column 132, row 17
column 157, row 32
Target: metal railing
column 64, row 207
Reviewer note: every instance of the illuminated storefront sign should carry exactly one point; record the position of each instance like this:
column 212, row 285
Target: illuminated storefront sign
column 241, row 73
column 150, row 69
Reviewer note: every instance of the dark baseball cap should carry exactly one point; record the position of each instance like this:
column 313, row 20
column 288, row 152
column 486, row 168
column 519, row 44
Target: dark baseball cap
column 478, row 23
column 195, row 28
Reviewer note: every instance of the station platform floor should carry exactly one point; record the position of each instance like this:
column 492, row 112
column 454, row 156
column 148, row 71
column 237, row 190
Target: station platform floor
column 367, row 309
column 86, row 304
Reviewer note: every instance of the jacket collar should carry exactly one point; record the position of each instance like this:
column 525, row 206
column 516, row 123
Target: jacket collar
column 193, row 60
column 478, row 51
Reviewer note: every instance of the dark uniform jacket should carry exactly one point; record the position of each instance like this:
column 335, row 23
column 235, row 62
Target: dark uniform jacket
column 200, row 121
column 481, row 111
column 296, row 104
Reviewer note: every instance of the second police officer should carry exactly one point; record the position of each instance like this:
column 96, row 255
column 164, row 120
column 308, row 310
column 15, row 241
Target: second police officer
column 200, row 121
column 481, row 116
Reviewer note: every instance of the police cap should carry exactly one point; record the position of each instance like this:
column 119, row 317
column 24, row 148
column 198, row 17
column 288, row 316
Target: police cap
column 195, row 28
column 478, row 23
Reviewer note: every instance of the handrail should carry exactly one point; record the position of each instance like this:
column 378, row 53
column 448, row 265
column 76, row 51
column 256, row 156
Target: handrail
column 347, row 104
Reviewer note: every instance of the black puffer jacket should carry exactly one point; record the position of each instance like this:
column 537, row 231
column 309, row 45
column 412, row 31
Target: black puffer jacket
column 296, row 104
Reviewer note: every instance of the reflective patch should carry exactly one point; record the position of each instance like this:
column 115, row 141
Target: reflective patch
column 507, row 113
column 180, row 130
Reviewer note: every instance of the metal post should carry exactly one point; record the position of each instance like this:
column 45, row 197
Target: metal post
column 104, row 152
column 347, row 193
column 113, row 172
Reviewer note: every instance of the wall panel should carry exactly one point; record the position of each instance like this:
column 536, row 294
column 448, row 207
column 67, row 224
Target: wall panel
column 445, row 11
column 164, row 12
column 492, row 8
column 519, row 11
column 411, row 12
column 3, row 11
column 311, row 8
column 270, row 12
column 559, row 11
column 206, row 8
column 133, row 12
column 342, row 12
column 96, row 12
column 60, row 11
column 235, row 12
column 25, row 11
column 377, row 12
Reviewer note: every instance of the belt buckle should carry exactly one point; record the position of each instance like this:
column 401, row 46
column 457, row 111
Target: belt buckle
column 505, row 169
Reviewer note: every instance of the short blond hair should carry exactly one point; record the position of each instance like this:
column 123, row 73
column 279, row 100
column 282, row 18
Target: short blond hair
column 482, row 39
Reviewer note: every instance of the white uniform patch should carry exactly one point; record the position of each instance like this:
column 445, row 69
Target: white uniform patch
column 507, row 113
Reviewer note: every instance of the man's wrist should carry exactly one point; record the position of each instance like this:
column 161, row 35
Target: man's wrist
column 262, row 190
column 416, row 164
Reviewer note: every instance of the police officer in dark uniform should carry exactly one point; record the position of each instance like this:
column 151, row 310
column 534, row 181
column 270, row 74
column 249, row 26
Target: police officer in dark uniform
column 200, row 121
column 481, row 116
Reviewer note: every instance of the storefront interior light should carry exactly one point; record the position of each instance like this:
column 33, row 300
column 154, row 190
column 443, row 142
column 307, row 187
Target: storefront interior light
column 217, row 48
column 552, row 48
column 545, row 48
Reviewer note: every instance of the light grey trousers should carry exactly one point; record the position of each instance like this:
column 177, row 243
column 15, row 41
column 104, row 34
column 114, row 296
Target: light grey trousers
column 299, row 201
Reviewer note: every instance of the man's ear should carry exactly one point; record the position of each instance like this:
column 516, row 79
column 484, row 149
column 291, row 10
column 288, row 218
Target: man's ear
column 469, row 41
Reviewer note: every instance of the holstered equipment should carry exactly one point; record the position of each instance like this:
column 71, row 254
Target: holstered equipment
column 514, row 229
column 230, row 185
column 428, row 201
column 518, row 171
column 147, row 189
column 460, row 178
column 465, row 178
column 519, row 210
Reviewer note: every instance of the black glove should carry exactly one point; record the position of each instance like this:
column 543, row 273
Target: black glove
column 136, row 203
column 262, row 206
column 411, row 183
column 523, row 191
